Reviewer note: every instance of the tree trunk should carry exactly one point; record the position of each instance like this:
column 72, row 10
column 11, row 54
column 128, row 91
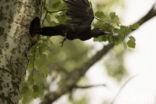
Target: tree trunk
column 15, row 44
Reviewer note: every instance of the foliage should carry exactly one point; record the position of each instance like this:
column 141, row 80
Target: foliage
column 131, row 42
column 115, row 33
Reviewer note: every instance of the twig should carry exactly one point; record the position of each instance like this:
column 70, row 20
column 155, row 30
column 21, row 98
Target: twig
column 45, row 13
column 56, row 11
column 123, row 86
column 90, row 86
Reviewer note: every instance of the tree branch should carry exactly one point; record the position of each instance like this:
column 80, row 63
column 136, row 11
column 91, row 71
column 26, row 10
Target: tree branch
column 148, row 16
column 74, row 76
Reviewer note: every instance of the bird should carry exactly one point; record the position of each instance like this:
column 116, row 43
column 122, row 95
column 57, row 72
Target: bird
column 81, row 16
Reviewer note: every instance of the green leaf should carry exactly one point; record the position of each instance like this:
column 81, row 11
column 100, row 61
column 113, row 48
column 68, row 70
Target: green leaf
column 124, row 30
column 44, row 71
column 37, row 91
column 99, row 14
column 26, row 93
column 131, row 42
column 101, row 38
column 135, row 26
column 114, row 18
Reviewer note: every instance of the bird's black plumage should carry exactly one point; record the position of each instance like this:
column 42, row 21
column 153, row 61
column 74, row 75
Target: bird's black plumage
column 78, row 26
column 80, row 13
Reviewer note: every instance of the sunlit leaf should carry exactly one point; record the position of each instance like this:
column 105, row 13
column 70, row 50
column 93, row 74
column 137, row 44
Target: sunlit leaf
column 131, row 42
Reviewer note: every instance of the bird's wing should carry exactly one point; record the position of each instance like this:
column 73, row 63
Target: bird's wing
column 80, row 13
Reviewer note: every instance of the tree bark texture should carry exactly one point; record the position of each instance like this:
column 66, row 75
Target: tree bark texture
column 15, row 43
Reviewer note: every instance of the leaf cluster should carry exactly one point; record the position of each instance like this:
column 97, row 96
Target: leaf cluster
column 115, row 33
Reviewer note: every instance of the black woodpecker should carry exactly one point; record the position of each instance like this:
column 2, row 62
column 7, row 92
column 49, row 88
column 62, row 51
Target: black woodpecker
column 78, row 26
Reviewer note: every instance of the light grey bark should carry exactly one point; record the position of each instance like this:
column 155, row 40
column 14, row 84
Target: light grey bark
column 15, row 43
